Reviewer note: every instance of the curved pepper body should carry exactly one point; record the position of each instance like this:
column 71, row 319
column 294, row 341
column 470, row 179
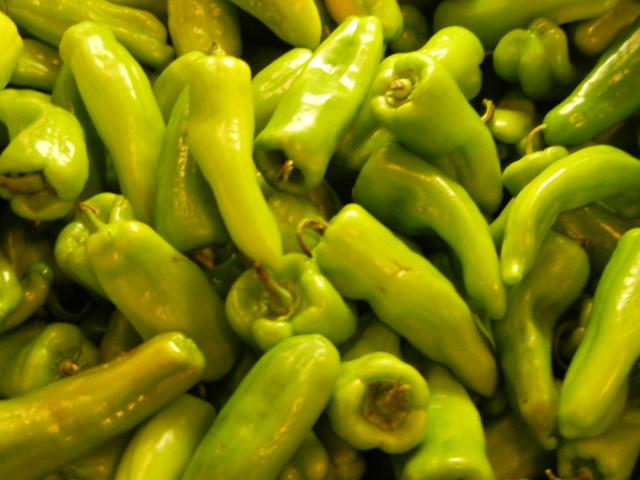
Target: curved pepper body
column 289, row 210
column 10, row 288
column 12, row 44
column 309, row 462
column 38, row 66
column 415, row 30
column 118, row 338
column 386, row 11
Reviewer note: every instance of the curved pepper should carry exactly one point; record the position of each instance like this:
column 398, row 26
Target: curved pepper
column 266, row 306
column 253, row 437
column 379, row 401
column 518, row 174
column 309, row 462
column 412, row 197
column 537, row 58
column 415, row 30
column 491, row 19
column 110, row 80
column 10, row 288
column 204, row 25
column 294, row 149
column 524, row 337
column 386, row 11
column 161, row 448
column 513, row 118
column 453, row 445
column 345, row 462
column 585, row 176
column 118, row 338
column 220, row 135
column 140, row 32
column 36, row 355
column 296, row 22
column 610, row 346
column 416, row 99
column 56, row 424
column 38, row 66
column 366, row 261
column 45, row 167
column 374, row 336
column 12, row 45
column 605, row 97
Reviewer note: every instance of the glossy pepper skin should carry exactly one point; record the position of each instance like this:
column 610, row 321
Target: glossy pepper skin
column 605, row 97
column 453, row 445
column 294, row 149
column 172, row 80
column 524, row 337
column 585, row 176
column 36, row 355
column 10, row 288
column 44, row 168
column 300, row 372
column 412, row 197
column 365, row 261
column 386, row 11
column 417, row 100
column 185, row 212
column 609, row 348
column 491, row 19
column 204, row 25
column 110, row 80
column 53, row 425
column 38, row 66
column 537, row 58
column 220, row 135
column 518, row 174
column 513, row 119
column 13, row 45
column 266, row 306
column 162, row 447
column 139, row 31
column 379, row 401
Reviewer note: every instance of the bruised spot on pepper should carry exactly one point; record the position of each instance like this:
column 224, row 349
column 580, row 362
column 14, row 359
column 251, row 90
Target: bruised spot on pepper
column 385, row 404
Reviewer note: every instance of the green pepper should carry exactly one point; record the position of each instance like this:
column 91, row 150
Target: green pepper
column 253, row 435
column 38, row 66
column 45, row 167
column 585, row 176
column 110, row 80
column 294, row 149
column 386, row 11
column 309, row 462
column 379, row 401
column 417, row 100
column 374, row 336
column 204, row 25
column 604, row 97
column 56, row 424
column 297, row 23
column 518, row 174
column 609, row 349
column 453, row 445
column 415, row 30
column 11, row 292
column 13, row 45
column 36, row 283
column 491, row 19
column 220, row 135
column 35, row 355
column 162, row 446
column 345, row 462
column 157, row 7
column 513, row 118
column 266, row 306
column 537, row 58
column 366, row 261
column 185, row 213
column 412, row 197
column 524, row 338
column 119, row 337
column 140, row 32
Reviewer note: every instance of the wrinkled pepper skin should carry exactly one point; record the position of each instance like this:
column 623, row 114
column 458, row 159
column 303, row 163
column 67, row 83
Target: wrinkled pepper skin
column 253, row 437
column 386, row 11
column 600, row 367
column 604, row 97
column 38, row 66
column 266, row 306
column 294, row 149
column 54, row 425
column 36, row 355
column 417, row 100
column 585, row 176
column 185, row 212
column 309, row 462
column 453, row 446
column 139, row 31
column 44, row 168
column 110, row 80
column 414, row 198
column 220, row 135
column 491, row 19
column 158, row 289
column 379, row 401
column 524, row 338
column 365, row 261
column 204, row 25
column 12, row 45
column 162, row 447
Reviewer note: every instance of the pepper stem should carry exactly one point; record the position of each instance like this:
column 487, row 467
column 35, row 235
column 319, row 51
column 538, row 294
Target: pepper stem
column 531, row 137
column 315, row 225
column 286, row 169
column 385, row 404
column 399, row 91
column 489, row 110
column 204, row 256
column 280, row 299
column 26, row 184
column 69, row 367
column 91, row 212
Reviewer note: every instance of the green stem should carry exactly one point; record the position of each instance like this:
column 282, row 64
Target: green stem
column 91, row 213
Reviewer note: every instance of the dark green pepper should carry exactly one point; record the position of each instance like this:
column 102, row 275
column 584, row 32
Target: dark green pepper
column 119, row 337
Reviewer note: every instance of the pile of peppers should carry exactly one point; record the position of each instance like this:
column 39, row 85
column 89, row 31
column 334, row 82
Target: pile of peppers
column 319, row 239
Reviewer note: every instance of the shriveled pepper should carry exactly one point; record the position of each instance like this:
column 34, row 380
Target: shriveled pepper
column 386, row 11
column 38, row 66
column 44, row 168
column 294, row 149
column 12, row 45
